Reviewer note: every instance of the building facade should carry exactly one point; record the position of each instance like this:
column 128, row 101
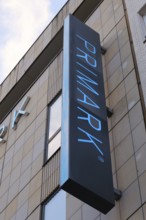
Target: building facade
column 30, row 117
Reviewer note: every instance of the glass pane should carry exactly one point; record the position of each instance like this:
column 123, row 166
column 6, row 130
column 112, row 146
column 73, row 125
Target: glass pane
column 55, row 117
column 55, row 209
column 54, row 144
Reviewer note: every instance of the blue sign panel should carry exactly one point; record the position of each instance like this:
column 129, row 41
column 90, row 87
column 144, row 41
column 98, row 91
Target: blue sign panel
column 85, row 154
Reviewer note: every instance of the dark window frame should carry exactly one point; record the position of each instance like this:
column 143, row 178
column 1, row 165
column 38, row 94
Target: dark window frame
column 47, row 140
column 46, row 201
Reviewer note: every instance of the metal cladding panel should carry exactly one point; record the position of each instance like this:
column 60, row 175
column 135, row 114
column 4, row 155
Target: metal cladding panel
column 85, row 154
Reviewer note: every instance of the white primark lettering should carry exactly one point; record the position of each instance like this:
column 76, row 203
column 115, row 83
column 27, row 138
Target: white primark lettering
column 17, row 114
column 3, row 131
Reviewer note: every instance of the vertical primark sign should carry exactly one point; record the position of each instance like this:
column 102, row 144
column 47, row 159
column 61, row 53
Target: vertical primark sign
column 85, row 153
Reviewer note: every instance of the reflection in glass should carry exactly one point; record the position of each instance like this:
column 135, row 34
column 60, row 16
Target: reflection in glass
column 55, row 209
column 55, row 117
column 54, row 126
column 54, row 144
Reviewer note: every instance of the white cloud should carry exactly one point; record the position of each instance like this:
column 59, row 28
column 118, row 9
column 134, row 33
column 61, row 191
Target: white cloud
column 21, row 22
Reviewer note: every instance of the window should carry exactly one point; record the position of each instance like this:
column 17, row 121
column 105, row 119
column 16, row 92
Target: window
column 55, row 209
column 142, row 18
column 54, row 127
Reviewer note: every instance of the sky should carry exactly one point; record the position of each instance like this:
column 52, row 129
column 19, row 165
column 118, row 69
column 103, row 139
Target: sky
column 21, row 22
